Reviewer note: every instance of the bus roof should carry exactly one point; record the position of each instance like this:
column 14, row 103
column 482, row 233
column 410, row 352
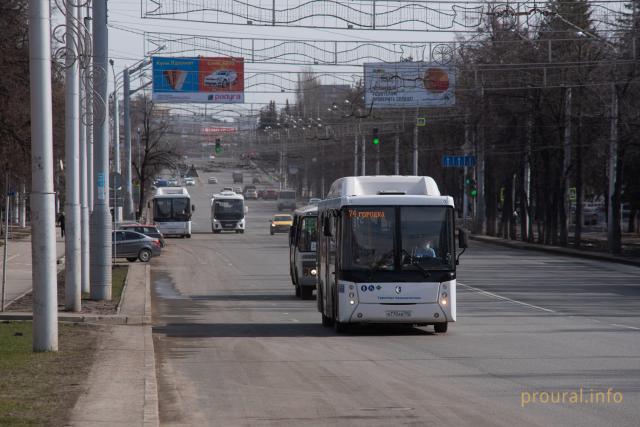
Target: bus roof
column 384, row 190
column 309, row 210
column 383, row 185
column 228, row 195
column 171, row 192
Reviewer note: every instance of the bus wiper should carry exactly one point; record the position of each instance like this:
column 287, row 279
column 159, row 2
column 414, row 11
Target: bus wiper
column 413, row 261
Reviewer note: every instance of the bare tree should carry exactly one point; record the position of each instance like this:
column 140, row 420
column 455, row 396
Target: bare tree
column 157, row 150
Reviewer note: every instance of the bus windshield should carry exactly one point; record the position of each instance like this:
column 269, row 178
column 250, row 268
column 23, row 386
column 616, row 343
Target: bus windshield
column 308, row 234
column 171, row 209
column 228, row 209
column 374, row 241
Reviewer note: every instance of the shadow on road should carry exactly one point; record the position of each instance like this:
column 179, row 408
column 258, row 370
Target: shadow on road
column 246, row 297
column 254, row 330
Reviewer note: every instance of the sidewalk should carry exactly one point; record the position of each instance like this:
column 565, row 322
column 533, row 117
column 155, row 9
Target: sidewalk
column 19, row 266
column 517, row 244
column 121, row 389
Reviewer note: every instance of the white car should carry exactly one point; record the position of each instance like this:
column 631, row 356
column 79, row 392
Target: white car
column 221, row 78
column 212, row 180
column 189, row 181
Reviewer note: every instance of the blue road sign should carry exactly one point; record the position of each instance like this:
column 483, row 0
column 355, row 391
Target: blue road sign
column 458, row 161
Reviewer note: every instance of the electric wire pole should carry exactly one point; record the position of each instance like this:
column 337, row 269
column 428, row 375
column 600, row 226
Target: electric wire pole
column 43, row 238
column 84, row 177
column 101, row 217
column 72, row 160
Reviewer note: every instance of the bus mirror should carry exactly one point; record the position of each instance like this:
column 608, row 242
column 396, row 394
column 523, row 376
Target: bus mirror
column 463, row 238
column 246, row 210
column 193, row 208
column 326, row 227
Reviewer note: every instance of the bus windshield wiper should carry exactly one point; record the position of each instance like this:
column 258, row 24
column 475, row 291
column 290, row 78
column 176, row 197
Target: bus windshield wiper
column 413, row 261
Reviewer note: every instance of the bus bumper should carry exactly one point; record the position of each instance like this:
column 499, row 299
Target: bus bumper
column 435, row 307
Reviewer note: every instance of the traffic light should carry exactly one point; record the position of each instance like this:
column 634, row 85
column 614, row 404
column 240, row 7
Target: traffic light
column 471, row 186
column 218, row 146
column 376, row 139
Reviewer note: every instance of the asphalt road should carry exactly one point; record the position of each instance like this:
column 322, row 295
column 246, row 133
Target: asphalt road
column 235, row 347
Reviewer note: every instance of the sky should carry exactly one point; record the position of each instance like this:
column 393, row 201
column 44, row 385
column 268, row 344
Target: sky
column 126, row 41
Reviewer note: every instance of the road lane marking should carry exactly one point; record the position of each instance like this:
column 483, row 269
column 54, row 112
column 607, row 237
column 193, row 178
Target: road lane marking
column 548, row 310
column 625, row 326
column 536, row 307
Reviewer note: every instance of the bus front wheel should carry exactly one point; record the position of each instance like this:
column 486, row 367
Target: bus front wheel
column 326, row 320
column 338, row 326
column 306, row 292
column 440, row 328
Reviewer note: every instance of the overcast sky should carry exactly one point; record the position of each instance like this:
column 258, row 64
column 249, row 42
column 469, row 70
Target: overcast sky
column 126, row 40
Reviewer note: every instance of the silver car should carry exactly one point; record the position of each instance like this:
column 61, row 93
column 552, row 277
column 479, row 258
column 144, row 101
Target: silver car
column 133, row 245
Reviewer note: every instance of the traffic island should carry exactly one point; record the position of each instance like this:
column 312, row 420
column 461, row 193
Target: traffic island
column 42, row 388
column 103, row 374
column 92, row 311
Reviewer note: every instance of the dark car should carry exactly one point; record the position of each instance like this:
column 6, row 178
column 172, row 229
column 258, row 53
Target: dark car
column 146, row 229
column 286, row 200
column 132, row 246
column 270, row 194
column 255, row 180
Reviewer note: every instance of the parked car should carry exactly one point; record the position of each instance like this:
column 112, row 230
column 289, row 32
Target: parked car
column 146, row 229
column 237, row 190
column 132, row 246
column 251, row 194
column 172, row 182
column 189, row 181
column 227, row 188
column 280, row 224
column 261, row 193
column 212, row 180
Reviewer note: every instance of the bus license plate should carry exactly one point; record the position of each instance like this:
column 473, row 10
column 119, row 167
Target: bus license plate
column 398, row 314
column 228, row 225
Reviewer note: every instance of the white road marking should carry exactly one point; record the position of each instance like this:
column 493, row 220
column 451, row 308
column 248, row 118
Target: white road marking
column 536, row 307
column 480, row 291
column 625, row 326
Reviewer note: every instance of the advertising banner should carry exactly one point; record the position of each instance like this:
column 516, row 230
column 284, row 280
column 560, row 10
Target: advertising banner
column 409, row 84
column 198, row 80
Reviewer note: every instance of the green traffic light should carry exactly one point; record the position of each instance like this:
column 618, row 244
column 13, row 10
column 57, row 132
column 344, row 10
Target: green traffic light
column 473, row 192
column 218, row 148
column 376, row 141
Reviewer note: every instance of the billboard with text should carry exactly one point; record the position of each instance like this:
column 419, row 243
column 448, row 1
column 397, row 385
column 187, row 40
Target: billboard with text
column 409, row 84
column 198, row 80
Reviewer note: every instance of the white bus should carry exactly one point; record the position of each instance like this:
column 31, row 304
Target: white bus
column 386, row 253
column 228, row 212
column 172, row 211
column 303, row 238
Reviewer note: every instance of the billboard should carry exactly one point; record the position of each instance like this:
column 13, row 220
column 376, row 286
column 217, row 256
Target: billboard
column 198, row 80
column 409, row 84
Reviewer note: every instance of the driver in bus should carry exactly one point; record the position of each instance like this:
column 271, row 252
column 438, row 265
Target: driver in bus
column 424, row 249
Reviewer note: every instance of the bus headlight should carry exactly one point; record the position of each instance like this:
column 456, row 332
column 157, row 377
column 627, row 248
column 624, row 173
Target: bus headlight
column 443, row 301
column 313, row 272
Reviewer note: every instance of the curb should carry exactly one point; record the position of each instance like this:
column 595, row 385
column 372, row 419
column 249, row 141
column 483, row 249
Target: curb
column 151, row 414
column 599, row 256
